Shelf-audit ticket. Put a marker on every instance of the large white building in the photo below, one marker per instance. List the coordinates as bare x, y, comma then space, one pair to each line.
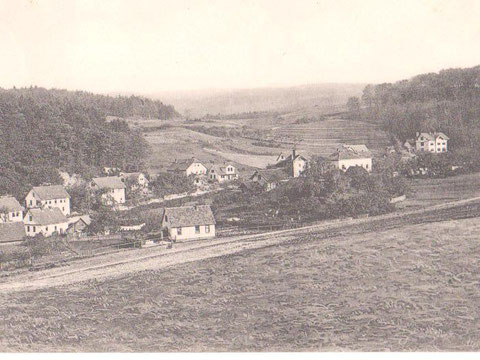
347, 156
189, 222
113, 187
48, 197
436, 142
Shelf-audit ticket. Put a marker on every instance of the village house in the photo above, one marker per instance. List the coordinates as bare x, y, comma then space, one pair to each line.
188, 222
78, 224
10, 210
137, 180
49, 197
347, 156
45, 222
113, 187
269, 179
188, 167
431, 142
222, 173
294, 163
11, 232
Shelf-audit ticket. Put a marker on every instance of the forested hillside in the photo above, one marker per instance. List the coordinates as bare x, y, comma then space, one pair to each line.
45, 130
448, 101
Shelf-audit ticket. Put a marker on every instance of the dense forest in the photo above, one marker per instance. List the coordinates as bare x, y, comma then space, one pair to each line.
44, 130
448, 101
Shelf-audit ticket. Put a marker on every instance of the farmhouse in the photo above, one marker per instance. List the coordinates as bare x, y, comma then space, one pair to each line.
45, 222
294, 164
137, 180
352, 155
49, 197
189, 222
269, 179
10, 210
188, 167
432, 142
114, 189
222, 173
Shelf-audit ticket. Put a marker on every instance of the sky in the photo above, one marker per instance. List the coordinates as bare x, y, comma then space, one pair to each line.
143, 46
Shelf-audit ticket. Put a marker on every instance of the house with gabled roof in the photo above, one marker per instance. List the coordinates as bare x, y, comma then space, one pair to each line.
436, 142
45, 221
295, 164
222, 173
269, 179
113, 189
347, 156
188, 167
49, 197
78, 224
10, 209
188, 222
137, 180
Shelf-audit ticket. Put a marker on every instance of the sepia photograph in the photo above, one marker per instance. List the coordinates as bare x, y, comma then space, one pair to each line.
257, 177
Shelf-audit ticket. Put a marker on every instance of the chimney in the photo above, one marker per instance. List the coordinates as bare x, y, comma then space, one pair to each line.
293, 153
417, 134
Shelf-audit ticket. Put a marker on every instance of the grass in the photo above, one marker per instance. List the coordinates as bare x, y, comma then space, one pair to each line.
408, 288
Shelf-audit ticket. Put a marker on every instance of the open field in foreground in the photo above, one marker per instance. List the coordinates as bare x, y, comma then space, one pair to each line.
381, 285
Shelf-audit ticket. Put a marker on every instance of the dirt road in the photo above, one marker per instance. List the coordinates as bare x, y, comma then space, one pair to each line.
131, 261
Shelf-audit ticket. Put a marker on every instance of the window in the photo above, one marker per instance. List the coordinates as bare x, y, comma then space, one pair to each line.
55, 201
179, 231
63, 209
28, 228
207, 228
46, 228
366, 166
55, 228
31, 202
166, 218
197, 229
34, 229
30, 217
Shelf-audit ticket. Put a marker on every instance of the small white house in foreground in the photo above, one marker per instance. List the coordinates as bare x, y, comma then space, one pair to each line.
45, 222
189, 222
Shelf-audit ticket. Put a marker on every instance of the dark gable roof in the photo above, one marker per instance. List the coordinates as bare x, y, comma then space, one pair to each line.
182, 165
350, 152
10, 203
14, 231
47, 216
271, 175
51, 192
109, 182
222, 169
189, 216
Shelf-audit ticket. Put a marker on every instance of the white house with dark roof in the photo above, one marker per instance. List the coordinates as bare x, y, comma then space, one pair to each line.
436, 142
10, 210
48, 197
347, 156
188, 167
113, 187
189, 222
269, 179
45, 222
222, 173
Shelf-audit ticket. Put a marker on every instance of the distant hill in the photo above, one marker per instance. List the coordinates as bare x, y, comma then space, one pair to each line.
43, 130
323, 97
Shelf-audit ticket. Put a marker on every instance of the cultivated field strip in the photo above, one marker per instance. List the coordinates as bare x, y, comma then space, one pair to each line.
114, 265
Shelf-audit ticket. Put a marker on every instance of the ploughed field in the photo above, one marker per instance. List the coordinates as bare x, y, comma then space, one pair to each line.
408, 283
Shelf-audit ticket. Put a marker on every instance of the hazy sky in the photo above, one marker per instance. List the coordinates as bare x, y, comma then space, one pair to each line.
147, 46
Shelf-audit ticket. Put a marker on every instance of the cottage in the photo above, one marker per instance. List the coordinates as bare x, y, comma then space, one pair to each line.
45, 222
189, 222
10, 210
431, 142
78, 224
114, 189
188, 167
11, 232
347, 156
294, 164
222, 173
269, 179
137, 180
49, 197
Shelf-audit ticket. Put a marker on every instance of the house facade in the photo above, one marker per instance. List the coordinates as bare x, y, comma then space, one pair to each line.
189, 222
10, 210
188, 167
113, 187
222, 173
49, 197
78, 224
137, 180
294, 163
436, 142
45, 222
348, 156
269, 179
